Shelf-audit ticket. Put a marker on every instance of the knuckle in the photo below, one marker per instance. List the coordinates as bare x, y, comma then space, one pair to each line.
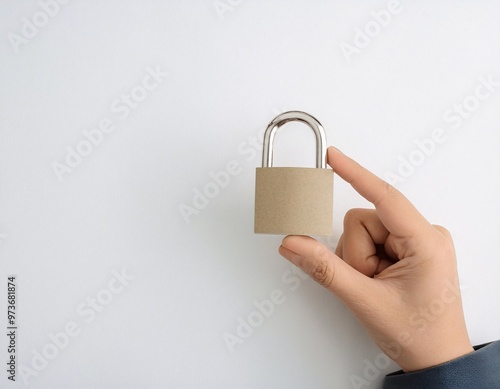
389, 189
322, 273
443, 231
445, 240
353, 216
388, 192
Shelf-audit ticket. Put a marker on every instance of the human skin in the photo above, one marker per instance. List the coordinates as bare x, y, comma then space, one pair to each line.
393, 269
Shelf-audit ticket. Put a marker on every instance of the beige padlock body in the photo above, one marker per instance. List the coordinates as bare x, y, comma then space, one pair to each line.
293, 201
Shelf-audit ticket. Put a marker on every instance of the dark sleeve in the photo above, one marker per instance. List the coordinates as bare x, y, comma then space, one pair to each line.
477, 370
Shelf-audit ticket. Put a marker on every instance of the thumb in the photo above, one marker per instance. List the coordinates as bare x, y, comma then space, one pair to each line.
327, 269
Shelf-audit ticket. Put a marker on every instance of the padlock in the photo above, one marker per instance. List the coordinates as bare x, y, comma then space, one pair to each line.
294, 200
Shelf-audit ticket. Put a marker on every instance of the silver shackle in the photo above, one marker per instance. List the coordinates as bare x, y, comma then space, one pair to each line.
290, 116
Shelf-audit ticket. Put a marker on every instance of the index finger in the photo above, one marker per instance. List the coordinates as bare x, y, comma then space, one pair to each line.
396, 212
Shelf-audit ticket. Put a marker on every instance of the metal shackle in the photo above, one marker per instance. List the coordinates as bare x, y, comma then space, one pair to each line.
290, 116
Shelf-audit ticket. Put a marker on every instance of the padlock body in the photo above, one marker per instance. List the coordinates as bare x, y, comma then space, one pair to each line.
293, 201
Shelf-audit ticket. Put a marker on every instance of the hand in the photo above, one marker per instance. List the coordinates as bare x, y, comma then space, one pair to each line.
394, 270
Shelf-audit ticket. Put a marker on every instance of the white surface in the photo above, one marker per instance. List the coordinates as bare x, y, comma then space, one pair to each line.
227, 78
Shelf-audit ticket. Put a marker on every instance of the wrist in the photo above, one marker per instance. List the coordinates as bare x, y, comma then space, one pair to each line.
432, 357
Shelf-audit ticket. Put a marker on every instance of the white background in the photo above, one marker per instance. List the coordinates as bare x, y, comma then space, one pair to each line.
228, 75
